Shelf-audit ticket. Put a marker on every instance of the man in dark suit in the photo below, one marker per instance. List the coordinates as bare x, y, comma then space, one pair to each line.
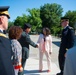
25, 41
67, 41
6, 67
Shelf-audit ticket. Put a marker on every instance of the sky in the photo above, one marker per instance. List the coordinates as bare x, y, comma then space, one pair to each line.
19, 7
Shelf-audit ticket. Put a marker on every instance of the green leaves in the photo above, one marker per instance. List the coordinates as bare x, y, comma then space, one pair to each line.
50, 15
72, 17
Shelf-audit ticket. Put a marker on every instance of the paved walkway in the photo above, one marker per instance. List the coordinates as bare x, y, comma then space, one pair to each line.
32, 68
32, 64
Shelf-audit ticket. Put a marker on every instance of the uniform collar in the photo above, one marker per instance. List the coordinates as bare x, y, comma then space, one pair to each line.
1, 30
66, 26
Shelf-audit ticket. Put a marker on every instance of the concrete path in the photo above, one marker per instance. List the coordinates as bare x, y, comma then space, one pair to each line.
32, 68
32, 64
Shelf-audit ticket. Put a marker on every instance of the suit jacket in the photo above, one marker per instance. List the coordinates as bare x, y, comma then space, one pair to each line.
70, 62
25, 41
48, 43
6, 67
67, 40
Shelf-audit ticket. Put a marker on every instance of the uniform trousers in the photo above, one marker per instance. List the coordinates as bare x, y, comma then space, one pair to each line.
61, 59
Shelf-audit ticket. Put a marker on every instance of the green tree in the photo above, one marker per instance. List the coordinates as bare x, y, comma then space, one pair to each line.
10, 24
20, 20
72, 18
50, 15
34, 19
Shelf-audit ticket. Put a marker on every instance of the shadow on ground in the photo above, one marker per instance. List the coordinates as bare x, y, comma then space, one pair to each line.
57, 43
32, 72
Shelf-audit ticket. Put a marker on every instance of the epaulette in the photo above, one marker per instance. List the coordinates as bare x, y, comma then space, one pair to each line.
1, 34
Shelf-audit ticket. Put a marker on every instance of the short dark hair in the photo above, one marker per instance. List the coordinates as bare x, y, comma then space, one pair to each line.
15, 32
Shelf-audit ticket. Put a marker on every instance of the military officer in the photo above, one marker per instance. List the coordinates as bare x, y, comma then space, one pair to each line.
6, 67
25, 41
67, 41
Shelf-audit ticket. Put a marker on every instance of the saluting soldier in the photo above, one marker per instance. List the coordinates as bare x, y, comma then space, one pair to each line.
67, 41
25, 41
6, 67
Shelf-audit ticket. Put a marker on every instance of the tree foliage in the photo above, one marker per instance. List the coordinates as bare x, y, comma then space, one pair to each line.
47, 16
21, 20
72, 18
10, 24
34, 19
50, 15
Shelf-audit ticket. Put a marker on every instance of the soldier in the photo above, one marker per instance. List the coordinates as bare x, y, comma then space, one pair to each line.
67, 41
6, 67
25, 41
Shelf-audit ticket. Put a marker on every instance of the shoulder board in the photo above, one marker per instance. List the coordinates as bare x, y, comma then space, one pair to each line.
1, 34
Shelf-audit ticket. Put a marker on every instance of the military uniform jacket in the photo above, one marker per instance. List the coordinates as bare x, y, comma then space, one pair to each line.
6, 67
25, 41
67, 40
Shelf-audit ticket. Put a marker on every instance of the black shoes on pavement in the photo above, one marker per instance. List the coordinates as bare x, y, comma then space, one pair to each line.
59, 73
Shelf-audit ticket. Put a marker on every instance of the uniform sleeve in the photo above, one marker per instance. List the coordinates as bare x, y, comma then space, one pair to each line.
28, 39
71, 38
50, 43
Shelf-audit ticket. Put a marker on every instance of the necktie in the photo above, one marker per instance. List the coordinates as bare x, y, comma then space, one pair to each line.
4, 31
44, 45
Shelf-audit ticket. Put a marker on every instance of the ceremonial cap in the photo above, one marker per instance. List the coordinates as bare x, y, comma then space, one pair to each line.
65, 18
26, 25
4, 11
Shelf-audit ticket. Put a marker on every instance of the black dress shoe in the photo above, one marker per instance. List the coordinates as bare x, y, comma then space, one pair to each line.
59, 73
